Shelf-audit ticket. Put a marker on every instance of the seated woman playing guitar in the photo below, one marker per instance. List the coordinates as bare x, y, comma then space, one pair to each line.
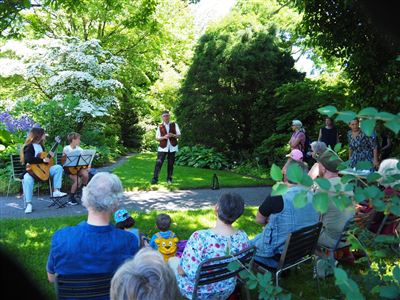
79, 175
30, 156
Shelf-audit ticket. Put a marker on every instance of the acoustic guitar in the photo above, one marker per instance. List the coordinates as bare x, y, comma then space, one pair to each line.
42, 171
71, 170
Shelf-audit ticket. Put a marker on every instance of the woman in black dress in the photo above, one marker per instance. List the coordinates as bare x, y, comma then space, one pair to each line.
329, 134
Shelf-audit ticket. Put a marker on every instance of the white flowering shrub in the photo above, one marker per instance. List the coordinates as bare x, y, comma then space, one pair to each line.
68, 67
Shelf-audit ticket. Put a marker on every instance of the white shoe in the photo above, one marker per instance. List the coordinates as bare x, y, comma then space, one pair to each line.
59, 194
28, 208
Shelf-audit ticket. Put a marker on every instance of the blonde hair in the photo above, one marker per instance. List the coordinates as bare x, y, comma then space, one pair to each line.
34, 137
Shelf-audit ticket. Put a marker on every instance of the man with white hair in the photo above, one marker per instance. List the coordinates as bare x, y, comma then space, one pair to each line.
93, 246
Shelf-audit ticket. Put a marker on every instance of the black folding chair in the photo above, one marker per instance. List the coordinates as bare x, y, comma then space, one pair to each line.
83, 286
216, 269
299, 248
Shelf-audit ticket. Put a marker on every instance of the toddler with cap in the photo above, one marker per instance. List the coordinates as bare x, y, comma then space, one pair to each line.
124, 221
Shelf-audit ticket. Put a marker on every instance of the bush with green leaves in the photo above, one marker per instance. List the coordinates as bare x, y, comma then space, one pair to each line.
381, 275
201, 157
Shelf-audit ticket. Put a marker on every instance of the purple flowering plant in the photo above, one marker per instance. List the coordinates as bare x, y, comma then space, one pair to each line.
14, 125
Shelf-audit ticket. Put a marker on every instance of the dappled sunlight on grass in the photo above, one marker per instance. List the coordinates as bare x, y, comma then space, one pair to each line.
137, 171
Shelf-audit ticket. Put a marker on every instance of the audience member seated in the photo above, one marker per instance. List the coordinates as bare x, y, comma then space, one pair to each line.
221, 240
317, 148
367, 215
281, 217
93, 246
334, 219
145, 277
124, 221
165, 241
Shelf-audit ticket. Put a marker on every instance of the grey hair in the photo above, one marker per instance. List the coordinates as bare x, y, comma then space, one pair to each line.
318, 148
145, 277
103, 192
387, 168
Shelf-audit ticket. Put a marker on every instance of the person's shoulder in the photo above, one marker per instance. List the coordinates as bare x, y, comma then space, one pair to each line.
242, 234
68, 231
198, 234
123, 235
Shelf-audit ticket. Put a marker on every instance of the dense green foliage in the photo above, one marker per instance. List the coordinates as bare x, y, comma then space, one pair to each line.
201, 157
363, 36
236, 67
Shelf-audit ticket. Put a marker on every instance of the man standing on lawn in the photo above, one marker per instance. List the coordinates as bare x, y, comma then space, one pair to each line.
167, 135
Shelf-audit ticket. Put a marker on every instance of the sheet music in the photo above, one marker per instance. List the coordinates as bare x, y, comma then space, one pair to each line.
79, 158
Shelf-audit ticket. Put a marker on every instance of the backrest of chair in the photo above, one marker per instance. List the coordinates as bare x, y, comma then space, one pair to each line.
17, 167
83, 286
216, 269
58, 158
300, 244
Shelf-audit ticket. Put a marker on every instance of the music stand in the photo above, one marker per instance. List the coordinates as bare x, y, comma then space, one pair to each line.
79, 158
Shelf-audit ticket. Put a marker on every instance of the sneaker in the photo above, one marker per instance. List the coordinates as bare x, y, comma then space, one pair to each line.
59, 194
72, 202
28, 208
169, 181
154, 181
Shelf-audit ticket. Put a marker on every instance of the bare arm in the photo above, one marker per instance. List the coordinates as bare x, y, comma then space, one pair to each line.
51, 277
319, 135
388, 144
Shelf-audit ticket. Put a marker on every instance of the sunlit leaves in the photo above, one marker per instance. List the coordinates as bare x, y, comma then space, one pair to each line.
348, 286
294, 173
327, 110
346, 116
276, 173
279, 189
300, 199
321, 202
368, 126
323, 183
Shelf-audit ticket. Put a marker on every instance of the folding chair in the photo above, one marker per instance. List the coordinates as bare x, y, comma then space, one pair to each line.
299, 248
17, 170
215, 269
342, 239
325, 267
83, 286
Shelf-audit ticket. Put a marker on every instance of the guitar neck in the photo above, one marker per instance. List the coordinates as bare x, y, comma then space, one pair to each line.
52, 149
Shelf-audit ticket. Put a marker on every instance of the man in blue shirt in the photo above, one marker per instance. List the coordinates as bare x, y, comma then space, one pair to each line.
93, 246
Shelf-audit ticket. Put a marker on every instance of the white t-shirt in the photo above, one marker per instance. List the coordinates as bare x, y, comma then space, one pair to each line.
38, 149
68, 149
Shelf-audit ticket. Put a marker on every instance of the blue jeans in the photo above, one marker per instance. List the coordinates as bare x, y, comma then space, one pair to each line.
28, 181
271, 262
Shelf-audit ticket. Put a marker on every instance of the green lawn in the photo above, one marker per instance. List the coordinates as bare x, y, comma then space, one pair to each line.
29, 241
137, 172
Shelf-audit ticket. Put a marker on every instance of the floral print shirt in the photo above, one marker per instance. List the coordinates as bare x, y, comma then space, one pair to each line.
362, 147
202, 245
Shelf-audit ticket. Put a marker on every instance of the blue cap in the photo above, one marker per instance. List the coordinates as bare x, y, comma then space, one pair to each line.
121, 215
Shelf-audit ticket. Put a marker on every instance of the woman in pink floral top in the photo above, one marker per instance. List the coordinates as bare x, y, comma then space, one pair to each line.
221, 240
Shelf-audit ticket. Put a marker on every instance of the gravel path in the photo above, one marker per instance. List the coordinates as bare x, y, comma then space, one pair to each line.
12, 207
